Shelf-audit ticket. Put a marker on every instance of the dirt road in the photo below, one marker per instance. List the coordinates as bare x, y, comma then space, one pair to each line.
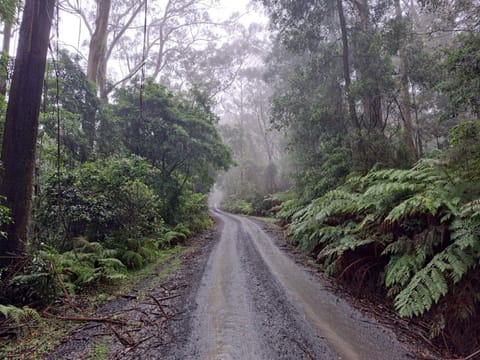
237, 296
255, 302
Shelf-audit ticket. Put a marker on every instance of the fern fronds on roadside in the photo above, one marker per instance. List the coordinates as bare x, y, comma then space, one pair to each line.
427, 240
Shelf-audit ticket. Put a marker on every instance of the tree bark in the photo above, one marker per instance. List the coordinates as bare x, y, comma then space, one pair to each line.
21, 125
96, 68
346, 67
371, 99
405, 110
357, 145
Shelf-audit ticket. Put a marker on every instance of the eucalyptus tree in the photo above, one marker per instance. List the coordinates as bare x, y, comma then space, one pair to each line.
21, 126
155, 36
106, 21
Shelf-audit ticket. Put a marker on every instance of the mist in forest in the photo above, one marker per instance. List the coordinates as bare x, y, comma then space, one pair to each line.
354, 125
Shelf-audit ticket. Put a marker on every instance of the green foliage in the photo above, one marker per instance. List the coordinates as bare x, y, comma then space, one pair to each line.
8, 9
87, 265
4, 217
463, 79
174, 133
171, 238
413, 219
177, 136
238, 207
109, 219
102, 199
289, 205
74, 100
464, 152
17, 315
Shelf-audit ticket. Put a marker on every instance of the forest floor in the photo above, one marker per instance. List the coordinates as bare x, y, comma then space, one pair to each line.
240, 292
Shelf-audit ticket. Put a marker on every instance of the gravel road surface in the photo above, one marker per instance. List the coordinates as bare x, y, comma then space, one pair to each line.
255, 302
238, 296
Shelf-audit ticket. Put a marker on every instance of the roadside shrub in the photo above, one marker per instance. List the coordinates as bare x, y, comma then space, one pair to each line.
99, 200
238, 206
412, 235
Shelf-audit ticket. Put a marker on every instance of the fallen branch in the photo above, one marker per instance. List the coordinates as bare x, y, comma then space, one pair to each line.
64, 289
159, 306
471, 356
138, 344
169, 297
134, 297
124, 341
87, 319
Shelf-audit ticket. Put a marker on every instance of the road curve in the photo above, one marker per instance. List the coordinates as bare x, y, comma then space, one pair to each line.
255, 302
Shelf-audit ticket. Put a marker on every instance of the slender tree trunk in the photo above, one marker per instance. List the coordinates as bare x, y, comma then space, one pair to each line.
7, 35
21, 125
346, 67
357, 145
371, 99
96, 68
406, 113
271, 168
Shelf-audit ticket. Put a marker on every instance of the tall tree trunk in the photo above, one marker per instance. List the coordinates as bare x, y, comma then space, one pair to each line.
7, 35
406, 113
21, 125
271, 168
96, 68
371, 99
357, 144
346, 67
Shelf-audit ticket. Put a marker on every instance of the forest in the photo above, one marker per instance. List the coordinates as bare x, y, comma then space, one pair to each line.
353, 124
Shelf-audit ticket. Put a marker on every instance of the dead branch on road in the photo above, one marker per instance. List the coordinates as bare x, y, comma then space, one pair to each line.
87, 319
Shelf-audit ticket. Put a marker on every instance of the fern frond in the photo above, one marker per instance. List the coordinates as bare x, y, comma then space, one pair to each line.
174, 236
400, 269
429, 284
17, 315
400, 246
471, 209
112, 263
346, 243
465, 232
427, 202
132, 259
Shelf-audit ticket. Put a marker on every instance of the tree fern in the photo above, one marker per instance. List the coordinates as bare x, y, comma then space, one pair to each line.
346, 243
401, 268
429, 240
17, 314
471, 209
431, 283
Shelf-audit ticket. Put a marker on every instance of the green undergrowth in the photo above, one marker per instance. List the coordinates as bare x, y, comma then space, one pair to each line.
34, 335
99, 351
270, 220
410, 237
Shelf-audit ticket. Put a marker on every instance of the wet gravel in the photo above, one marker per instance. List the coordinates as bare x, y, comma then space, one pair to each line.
238, 296
281, 327
149, 333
